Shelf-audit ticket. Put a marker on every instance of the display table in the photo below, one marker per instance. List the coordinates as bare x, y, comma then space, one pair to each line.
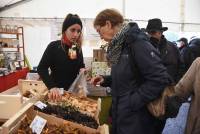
11, 79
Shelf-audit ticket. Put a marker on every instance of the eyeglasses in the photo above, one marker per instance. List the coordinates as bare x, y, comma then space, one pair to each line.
98, 29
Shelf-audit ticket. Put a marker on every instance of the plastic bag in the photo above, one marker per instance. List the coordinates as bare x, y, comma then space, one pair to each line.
79, 86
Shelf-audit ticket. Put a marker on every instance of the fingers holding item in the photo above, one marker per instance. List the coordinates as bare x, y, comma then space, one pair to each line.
54, 94
97, 80
83, 70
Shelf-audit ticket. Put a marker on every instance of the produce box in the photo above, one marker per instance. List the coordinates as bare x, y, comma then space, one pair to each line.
9, 104
100, 68
99, 55
86, 105
32, 88
105, 108
53, 124
82, 104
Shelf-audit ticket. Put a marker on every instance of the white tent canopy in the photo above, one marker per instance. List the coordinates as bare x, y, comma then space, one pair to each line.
42, 19
171, 11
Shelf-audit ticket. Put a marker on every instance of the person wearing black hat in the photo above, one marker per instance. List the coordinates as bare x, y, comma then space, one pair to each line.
169, 53
182, 43
64, 58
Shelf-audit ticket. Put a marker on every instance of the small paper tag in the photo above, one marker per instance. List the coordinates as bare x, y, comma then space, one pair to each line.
61, 91
38, 124
40, 105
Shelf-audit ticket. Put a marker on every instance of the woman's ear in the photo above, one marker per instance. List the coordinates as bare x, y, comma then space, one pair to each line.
108, 24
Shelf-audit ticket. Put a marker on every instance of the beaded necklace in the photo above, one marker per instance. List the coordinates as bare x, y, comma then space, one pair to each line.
72, 54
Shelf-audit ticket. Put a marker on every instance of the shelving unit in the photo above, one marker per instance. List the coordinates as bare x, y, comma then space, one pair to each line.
12, 56
12, 44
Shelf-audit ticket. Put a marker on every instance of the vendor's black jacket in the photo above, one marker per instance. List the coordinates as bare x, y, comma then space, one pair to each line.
129, 96
170, 56
63, 70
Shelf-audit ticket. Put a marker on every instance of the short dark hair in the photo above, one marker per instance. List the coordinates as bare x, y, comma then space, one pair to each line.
111, 15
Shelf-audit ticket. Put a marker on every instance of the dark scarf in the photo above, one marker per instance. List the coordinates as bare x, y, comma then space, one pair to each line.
161, 45
116, 44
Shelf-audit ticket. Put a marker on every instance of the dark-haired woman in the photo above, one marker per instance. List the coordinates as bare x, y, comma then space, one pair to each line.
63, 59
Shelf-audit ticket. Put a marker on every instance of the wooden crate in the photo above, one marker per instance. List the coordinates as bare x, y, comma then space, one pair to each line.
13, 123
38, 89
99, 55
79, 101
32, 88
9, 104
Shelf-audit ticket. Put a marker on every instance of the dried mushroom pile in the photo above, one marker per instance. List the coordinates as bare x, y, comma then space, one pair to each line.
84, 104
70, 113
48, 129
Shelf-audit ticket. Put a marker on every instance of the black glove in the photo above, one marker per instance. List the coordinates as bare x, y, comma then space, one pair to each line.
173, 104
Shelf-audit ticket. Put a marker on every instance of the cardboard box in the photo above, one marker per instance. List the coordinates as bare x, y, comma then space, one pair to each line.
9, 104
13, 123
99, 55
100, 68
30, 88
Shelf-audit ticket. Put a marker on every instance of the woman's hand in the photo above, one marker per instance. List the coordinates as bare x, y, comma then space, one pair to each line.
84, 70
54, 94
97, 80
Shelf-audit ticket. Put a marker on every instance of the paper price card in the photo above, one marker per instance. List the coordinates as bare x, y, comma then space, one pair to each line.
40, 105
61, 91
38, 124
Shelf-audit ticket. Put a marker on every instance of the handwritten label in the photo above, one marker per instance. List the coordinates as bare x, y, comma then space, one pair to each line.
61, 91
38, 124
40, 105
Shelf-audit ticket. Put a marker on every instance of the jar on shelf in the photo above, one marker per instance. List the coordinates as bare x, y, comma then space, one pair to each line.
8, 28
1, 28
15, 29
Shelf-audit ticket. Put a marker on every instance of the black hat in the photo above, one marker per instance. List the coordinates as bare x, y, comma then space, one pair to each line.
71, 20
183, 40
155, 25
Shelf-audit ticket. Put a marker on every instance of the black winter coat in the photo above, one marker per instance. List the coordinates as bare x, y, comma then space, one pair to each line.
129, 98
170, 56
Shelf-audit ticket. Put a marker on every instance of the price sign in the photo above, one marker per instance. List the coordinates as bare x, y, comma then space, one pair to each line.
40, 105
38, 124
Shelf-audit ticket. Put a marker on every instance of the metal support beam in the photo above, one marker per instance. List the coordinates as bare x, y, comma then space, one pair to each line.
13, 5
124, 8
182, 14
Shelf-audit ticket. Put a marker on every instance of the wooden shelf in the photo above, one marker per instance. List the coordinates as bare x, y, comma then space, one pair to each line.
10, 33
13, 37
5, 49
10, 47
7, 38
